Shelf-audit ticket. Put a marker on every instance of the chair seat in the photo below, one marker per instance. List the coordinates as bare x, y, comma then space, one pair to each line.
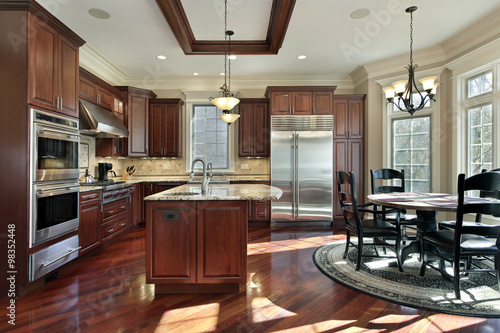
473, 228
470, 242
406, 219
372, 227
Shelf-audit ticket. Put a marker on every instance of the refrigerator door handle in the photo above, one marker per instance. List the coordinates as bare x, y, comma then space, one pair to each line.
296, 180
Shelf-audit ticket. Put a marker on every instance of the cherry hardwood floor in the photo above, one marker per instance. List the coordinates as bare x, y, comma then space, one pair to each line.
285, 293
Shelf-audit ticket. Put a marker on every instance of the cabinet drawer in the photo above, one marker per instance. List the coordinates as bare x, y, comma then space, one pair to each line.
114, 208
114, 224
90, 197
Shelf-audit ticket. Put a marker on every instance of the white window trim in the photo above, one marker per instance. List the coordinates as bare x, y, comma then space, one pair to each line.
197, 97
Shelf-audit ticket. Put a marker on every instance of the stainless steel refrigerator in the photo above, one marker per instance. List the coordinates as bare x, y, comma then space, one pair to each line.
302, 167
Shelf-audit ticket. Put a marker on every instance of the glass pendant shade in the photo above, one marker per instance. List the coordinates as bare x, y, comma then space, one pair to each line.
229, 117
225, 103
399, 86
389, 92
428, 82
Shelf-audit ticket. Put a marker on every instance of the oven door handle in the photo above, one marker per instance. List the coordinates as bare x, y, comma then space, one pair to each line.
57, 188
45, 264
68, 134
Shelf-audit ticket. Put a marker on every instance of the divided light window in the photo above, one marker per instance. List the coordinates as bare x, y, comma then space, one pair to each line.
411, 139
210, 137
480, 84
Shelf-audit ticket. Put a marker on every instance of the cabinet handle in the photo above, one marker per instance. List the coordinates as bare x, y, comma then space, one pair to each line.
123, 224
57, 103
61, 105
151, 187
93, 197
123, 207
111, 211
110, 230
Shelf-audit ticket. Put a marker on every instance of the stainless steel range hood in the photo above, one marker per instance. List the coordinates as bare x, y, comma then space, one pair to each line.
99, 122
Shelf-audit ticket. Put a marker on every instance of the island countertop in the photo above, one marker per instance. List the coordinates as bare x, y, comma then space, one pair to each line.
192, 192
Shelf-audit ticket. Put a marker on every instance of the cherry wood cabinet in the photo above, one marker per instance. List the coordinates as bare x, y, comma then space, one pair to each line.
94, 93
148, 188
349, 113
165, 127
253, 128
89, 231
52, 68
137, 119
114, 219
300, 100
196, 244
135, 209
111, 147
348, 143
258, 210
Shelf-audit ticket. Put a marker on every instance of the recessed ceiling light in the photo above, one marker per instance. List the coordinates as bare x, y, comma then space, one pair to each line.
360, 13
161, 57
232, 57
195, 74
301, 57
99, 13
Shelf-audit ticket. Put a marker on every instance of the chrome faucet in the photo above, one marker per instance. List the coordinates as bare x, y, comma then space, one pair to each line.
204, 184
209, 169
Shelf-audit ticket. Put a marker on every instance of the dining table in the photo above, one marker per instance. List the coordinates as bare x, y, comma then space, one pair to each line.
426, 205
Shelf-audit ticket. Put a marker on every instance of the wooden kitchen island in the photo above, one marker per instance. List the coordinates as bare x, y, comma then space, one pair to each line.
198, 242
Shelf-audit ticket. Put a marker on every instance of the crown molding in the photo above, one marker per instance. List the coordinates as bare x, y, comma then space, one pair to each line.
480, 57
480, 32
100, 66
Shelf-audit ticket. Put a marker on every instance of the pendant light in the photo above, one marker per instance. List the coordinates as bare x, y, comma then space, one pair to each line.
406, 89
227, 102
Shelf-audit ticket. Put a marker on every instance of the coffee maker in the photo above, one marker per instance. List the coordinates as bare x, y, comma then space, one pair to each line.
103, 169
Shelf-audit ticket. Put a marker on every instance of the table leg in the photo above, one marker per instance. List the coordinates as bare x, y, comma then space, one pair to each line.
426, 221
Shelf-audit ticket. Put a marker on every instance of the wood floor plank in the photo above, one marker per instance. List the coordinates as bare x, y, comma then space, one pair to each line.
285, 293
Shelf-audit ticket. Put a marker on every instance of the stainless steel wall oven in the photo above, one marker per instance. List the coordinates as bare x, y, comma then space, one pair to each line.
55, 147
55, 143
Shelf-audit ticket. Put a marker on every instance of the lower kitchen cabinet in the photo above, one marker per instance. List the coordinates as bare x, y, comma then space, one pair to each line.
152, 188
89, 232
196, 243
258, 210
135, 204
114, 218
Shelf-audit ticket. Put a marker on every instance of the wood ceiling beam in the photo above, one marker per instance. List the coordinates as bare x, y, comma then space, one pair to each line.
281, 13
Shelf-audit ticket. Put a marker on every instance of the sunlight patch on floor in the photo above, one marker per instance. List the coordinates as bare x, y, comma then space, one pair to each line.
180, 320
263, 310
393, 319
324, 326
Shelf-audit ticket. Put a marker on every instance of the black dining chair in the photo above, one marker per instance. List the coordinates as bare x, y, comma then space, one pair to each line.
456, 245
476, 227
375, 228
388, 181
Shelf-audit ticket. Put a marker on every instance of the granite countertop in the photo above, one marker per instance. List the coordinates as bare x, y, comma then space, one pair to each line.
218, 192
179, 178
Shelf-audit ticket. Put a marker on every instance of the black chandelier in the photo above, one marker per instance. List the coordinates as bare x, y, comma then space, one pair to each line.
407, 89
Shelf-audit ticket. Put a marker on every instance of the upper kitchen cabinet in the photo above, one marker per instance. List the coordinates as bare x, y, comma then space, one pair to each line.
349, 116
137, 116
253, 125
52, 65
300, 100
165, 127
92, 90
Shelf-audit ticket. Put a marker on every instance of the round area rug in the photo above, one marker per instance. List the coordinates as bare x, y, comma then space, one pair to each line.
480, 296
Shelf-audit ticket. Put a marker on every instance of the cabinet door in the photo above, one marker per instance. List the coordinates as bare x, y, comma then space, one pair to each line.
88, 90
146, 189
90, 226
280, 102
172, 122
322, 103
171, 245
138, 125
222, 241
356, 119
246, 130
156, 131
105, 99
42, 65
341, 162
301, 103
340, 118
261, 131
68, 77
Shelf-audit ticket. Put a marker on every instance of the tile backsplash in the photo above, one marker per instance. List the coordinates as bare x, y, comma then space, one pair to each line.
164, 166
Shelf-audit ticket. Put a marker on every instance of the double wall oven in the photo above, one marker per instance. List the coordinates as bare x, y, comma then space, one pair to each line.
54, 190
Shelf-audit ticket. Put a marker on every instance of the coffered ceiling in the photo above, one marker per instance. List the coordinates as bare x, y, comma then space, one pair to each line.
269, 34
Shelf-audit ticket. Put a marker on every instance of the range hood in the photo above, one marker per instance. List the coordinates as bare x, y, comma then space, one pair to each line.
99, 122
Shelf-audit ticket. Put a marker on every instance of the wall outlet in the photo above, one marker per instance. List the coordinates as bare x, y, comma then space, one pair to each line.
244, 167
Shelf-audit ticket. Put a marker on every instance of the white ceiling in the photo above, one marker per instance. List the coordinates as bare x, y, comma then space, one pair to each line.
334, 43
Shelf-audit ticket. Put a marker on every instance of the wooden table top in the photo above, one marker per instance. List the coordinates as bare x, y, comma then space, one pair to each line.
419, 201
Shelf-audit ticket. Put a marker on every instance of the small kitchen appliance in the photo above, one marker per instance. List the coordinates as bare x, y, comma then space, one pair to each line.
103, 169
